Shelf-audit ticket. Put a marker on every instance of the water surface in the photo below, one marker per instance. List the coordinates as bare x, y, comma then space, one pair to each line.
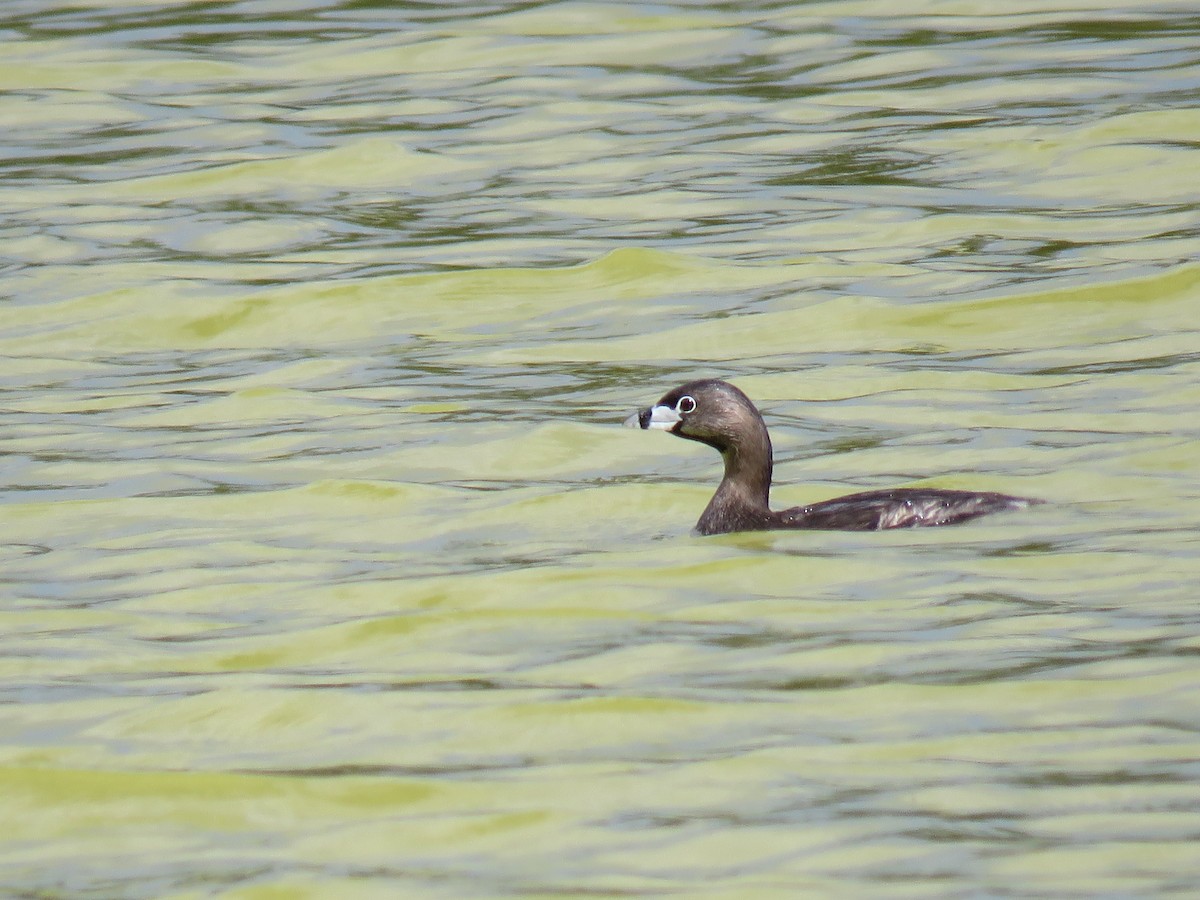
327, 570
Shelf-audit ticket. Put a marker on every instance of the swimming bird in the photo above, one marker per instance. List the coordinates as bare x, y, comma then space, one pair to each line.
718, 414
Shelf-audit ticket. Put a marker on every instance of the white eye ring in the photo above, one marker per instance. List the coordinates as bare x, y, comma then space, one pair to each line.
686, 404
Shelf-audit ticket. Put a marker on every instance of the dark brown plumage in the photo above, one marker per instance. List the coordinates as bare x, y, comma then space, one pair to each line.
718, 414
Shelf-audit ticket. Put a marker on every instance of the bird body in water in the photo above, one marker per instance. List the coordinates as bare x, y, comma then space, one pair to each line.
718, 414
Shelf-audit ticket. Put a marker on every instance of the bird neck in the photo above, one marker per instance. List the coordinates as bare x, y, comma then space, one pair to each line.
748, 467
741, 501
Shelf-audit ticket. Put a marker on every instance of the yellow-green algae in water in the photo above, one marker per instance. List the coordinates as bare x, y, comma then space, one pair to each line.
329, 572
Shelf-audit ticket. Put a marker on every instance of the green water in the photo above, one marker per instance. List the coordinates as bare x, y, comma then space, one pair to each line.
328, 570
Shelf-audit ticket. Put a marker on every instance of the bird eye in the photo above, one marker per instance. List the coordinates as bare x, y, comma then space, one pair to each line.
685, 405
